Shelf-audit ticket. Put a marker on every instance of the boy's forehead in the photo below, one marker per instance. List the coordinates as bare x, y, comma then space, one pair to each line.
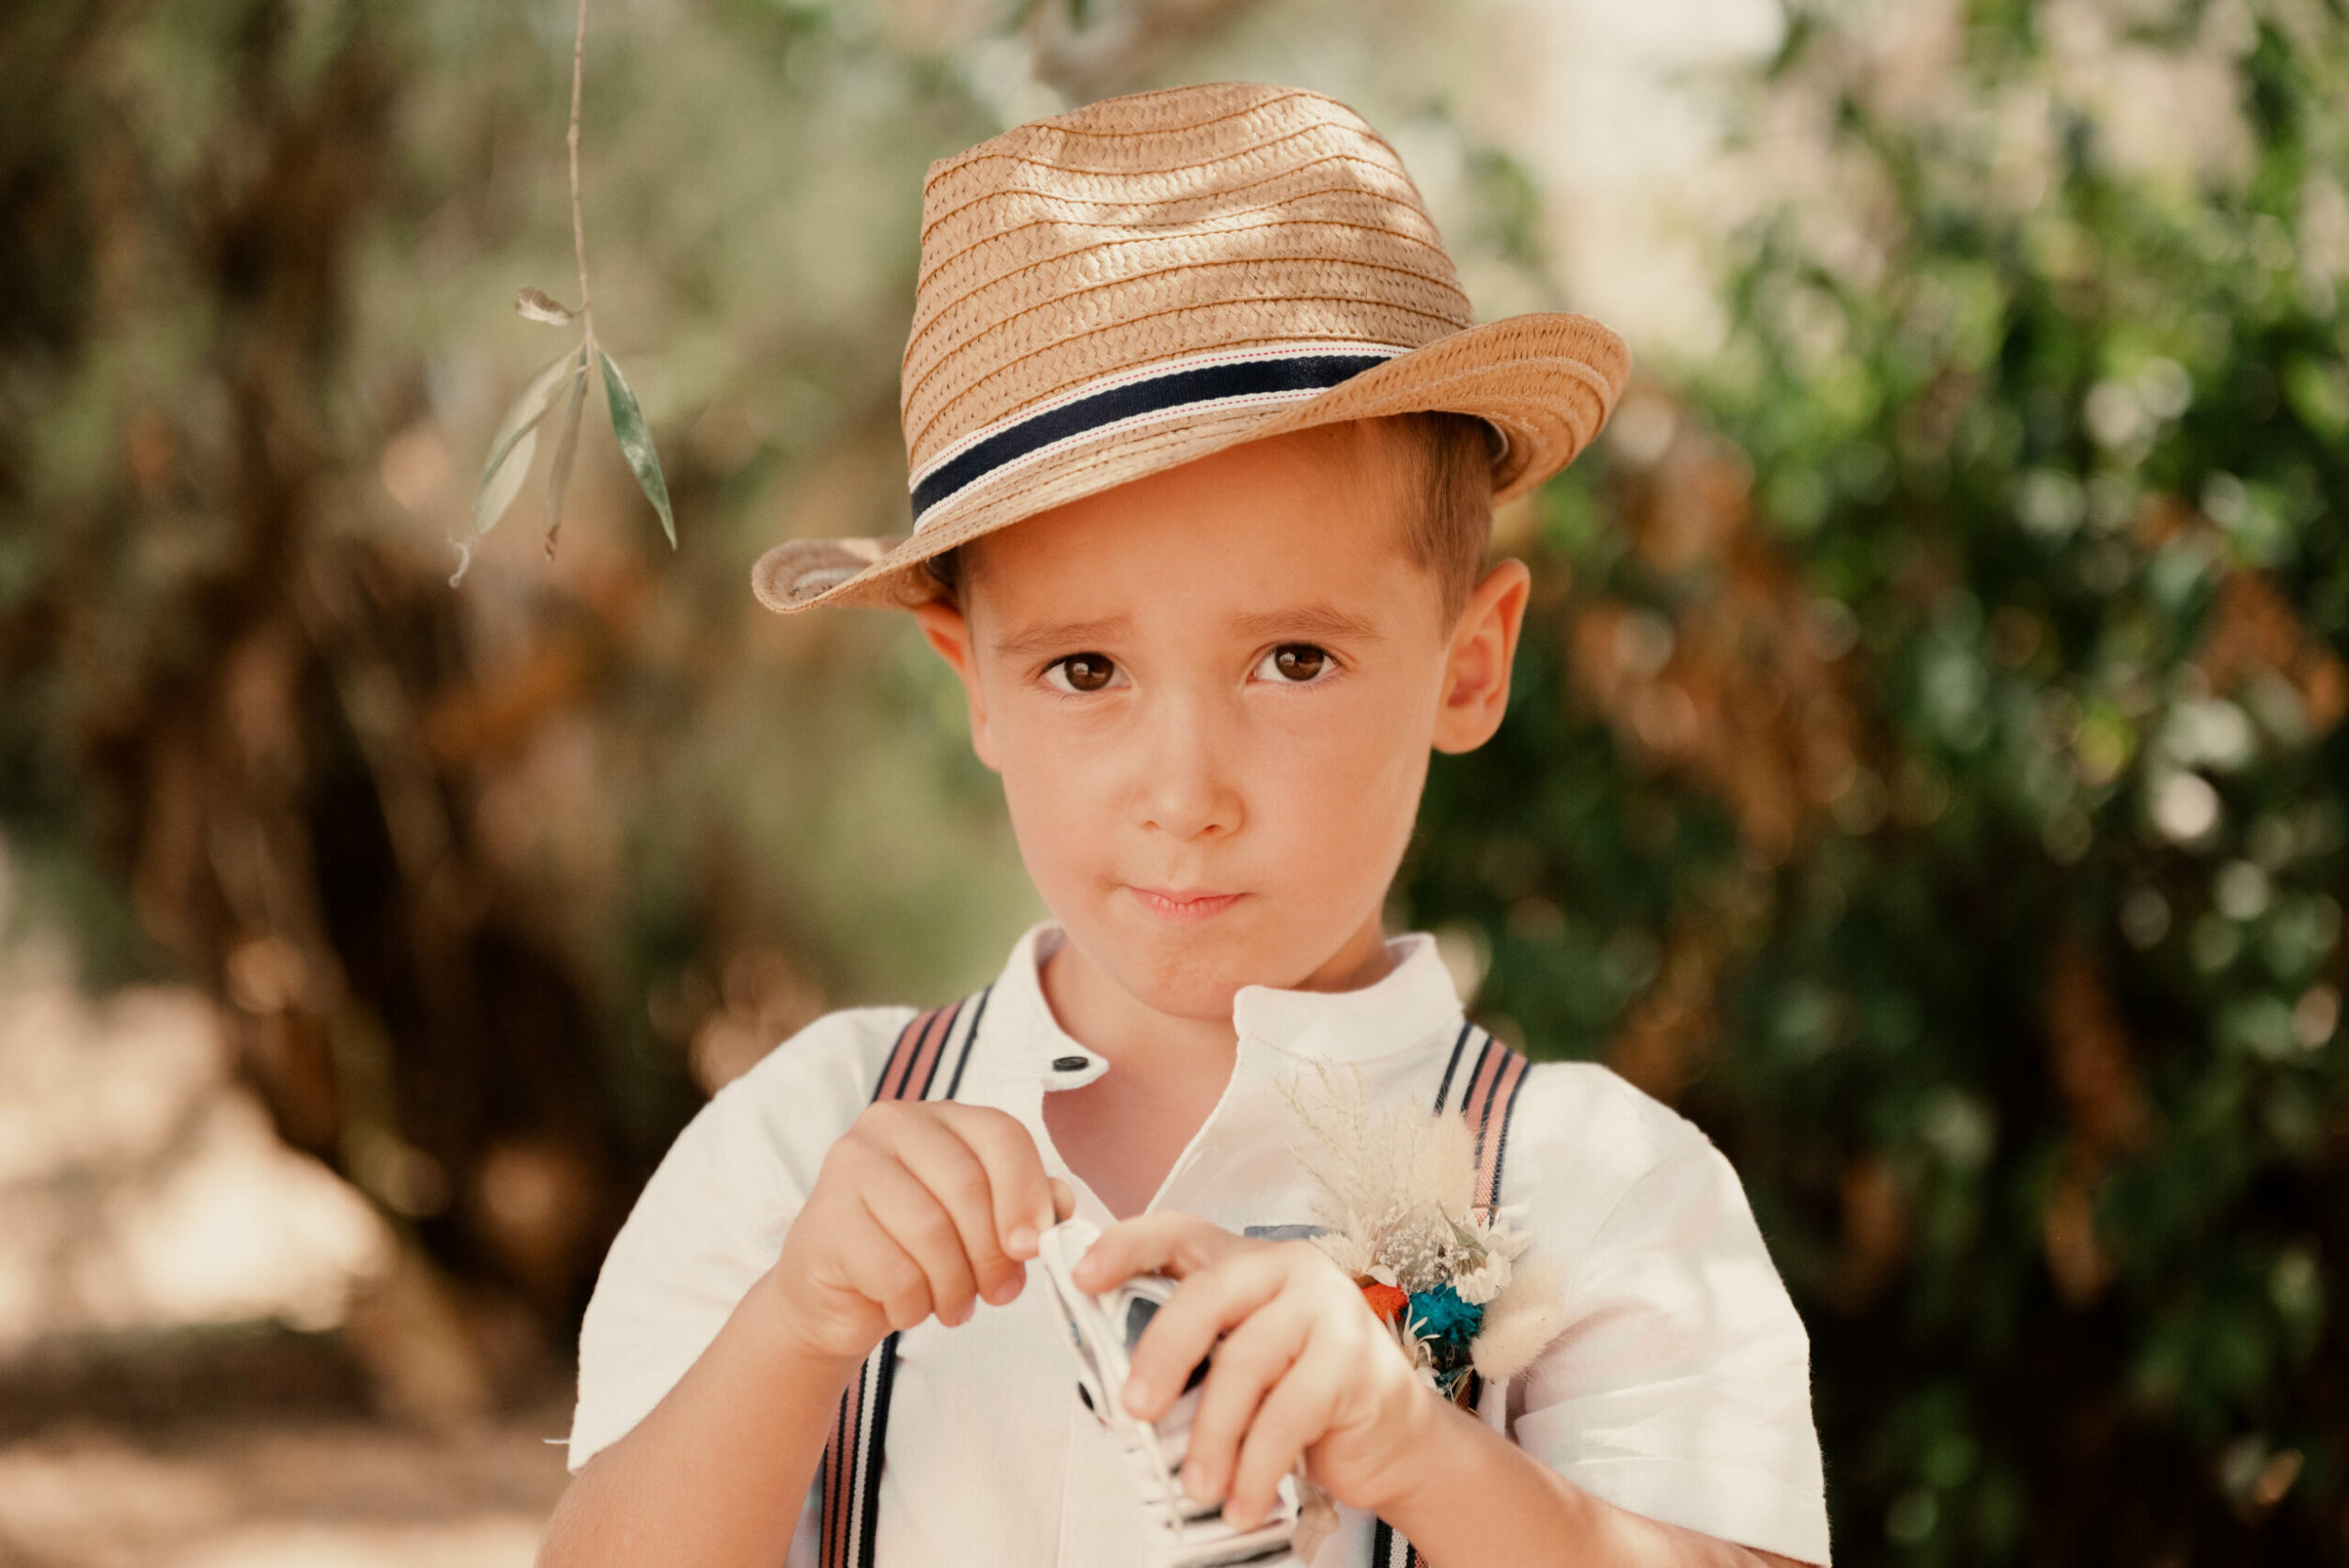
1299, 521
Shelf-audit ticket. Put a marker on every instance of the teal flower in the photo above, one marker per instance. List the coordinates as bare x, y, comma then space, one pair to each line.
1441, 1315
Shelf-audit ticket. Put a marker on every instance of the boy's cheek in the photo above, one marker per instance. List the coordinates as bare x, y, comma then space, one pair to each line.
1063, 826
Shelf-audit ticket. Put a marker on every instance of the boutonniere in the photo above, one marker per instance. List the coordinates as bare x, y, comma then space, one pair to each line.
1451, 1278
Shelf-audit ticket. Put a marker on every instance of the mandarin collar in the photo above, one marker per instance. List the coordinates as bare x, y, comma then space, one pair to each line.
1401, 1009
1413, 1001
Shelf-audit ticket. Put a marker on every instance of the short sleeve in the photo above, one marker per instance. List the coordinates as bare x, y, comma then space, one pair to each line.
1680, 1389
713, 1218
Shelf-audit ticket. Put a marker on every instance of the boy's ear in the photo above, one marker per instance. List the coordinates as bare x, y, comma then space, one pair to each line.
1484, 647
947, 630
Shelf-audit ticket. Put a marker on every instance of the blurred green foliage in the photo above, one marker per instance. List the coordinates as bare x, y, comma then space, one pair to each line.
1929, 770
501, 878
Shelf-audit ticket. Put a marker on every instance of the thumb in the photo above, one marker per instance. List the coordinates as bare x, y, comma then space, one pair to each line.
1166, 1242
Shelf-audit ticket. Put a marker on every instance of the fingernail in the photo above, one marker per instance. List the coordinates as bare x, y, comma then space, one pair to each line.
1138, 1395
1021, 1242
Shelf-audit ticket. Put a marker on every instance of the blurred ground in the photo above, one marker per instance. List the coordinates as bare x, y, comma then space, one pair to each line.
267, 1491
202, 1333
139, 1187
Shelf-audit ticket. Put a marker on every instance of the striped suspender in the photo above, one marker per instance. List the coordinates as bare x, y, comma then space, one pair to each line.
853, 1455
1488, 1097
1487, 1100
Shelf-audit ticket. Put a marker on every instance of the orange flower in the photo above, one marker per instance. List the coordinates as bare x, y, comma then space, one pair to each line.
1385, 1300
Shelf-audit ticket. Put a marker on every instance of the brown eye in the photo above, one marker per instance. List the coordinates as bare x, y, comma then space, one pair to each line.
1083, 672
1299, 662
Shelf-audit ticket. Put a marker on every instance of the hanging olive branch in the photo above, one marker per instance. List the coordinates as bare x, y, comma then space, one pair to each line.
516, 439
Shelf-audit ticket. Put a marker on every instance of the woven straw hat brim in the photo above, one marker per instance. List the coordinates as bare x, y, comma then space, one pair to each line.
1547, 380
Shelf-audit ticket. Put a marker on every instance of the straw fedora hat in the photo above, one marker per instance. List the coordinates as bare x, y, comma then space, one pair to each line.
1146, 280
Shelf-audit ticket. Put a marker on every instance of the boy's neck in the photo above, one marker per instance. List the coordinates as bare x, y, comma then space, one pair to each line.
1122, 1133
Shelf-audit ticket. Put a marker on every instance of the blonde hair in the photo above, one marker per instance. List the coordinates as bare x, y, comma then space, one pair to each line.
1445, 460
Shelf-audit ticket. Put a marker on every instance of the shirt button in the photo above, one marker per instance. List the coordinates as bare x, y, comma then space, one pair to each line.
1070, 1063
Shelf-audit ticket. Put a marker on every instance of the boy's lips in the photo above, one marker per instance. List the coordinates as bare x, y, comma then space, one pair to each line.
1190, 903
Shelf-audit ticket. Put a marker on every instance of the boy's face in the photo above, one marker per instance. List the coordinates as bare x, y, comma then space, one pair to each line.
1211, 694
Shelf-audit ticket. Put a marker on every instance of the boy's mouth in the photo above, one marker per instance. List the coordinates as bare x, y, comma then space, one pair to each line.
1192, 905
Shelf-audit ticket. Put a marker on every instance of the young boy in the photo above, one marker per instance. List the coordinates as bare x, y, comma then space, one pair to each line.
1205, 349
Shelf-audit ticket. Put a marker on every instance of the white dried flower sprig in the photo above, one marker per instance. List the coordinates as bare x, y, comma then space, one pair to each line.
1397, 1196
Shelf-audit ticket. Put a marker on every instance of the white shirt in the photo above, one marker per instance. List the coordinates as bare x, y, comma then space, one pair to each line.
1679, 1389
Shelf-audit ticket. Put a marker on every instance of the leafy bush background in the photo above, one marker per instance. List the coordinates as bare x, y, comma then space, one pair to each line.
1932, 777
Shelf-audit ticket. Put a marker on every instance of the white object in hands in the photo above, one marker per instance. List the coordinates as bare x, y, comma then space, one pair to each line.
1104, 1331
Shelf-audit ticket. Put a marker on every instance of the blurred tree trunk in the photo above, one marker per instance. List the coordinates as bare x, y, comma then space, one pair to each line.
229, 683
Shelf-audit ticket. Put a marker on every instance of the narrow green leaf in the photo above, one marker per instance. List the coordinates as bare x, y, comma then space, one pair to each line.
565, 449
509, 450
627, 423
507, 484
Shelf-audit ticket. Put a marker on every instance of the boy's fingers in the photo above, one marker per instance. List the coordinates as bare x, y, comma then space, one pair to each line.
1249, 1360
879, 1271
1187, 1327
945, 1162
1064, 1199
1021, 1193
1167, 1242
1293, 1417
914, 1218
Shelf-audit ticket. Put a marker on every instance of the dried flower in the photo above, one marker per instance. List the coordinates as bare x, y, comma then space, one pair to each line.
1479, 1284
1349, 1254
1397, 1190
1441, 1315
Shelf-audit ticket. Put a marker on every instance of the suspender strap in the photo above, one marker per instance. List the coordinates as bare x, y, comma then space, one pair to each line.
853, 1454
1494, 1074
1390, 1550
1489, 1102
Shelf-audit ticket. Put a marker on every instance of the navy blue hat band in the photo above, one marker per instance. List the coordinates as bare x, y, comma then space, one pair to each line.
1277, 378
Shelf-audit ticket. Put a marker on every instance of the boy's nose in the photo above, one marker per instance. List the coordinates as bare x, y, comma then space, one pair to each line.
1187, 789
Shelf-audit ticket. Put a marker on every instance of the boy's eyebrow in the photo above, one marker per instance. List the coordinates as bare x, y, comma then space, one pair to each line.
1063, 637
1305, 622
1302, 623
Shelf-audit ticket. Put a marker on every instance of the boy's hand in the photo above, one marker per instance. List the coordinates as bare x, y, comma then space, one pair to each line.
920, 1208
1301, 1366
